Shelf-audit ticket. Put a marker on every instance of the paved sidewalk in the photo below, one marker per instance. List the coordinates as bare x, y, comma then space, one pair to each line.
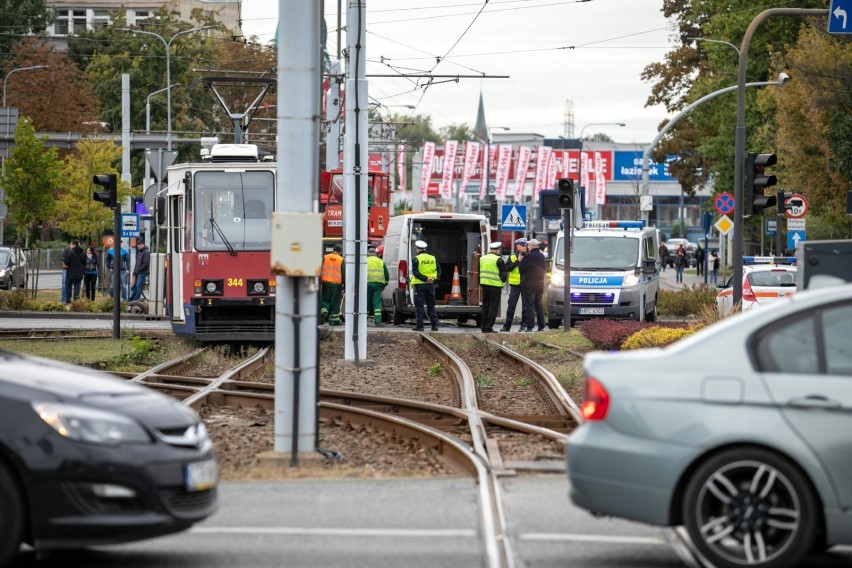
668, 277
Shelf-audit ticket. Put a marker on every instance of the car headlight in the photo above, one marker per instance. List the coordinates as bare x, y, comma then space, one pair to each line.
90, 424
630, 280
2, 272
557, 277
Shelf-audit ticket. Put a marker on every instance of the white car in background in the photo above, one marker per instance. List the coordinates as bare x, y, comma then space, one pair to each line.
766, 279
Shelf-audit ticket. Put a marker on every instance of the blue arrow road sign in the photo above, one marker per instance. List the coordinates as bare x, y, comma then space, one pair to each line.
514, 217
794, 238
838, 17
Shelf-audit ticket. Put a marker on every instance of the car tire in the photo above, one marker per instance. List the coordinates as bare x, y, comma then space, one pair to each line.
652, 315
398, 316
554, 323
12, 516
733, 497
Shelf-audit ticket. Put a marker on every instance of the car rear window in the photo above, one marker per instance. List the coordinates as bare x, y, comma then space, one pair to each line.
772, 278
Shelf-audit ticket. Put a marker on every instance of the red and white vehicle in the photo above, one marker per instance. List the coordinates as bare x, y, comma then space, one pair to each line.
218, 281
331, 204
766, 279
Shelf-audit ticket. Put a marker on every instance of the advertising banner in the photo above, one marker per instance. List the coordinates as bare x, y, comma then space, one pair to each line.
450, 150
400, 168
428, 158
524, 156
471, 157
504, 162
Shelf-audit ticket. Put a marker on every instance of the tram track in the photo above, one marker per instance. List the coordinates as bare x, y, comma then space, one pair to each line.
465, 437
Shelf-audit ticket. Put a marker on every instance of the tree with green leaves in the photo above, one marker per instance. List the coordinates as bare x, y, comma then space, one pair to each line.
812, 133
703, 142
21, 18
30, 180
77, 213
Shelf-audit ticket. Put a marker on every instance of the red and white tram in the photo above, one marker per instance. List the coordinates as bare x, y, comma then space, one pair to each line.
218, 282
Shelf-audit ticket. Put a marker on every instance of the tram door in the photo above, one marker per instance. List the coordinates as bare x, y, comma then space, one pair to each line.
179, 234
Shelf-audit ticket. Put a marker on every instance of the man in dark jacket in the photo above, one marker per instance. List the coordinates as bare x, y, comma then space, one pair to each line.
74, 262
141, 270
533, 268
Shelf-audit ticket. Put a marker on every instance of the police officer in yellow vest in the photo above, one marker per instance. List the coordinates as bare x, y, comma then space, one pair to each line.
492, 276
331, 279
425, 271
515, 285
377, 279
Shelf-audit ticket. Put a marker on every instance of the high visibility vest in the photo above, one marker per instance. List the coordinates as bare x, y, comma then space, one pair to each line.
515, 273
489, 274
331, 272
376, 270
427, 266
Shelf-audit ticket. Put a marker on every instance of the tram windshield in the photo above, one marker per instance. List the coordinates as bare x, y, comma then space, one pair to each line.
233, 210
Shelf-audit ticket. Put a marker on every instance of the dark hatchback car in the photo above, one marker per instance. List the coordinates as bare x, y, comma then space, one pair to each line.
88, 459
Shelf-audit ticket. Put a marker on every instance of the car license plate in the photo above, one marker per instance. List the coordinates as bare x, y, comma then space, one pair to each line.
200, 476
591, 311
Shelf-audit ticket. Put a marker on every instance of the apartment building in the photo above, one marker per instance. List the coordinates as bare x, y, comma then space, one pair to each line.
76, 16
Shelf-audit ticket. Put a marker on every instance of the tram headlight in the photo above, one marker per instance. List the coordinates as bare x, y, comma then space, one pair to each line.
211, 287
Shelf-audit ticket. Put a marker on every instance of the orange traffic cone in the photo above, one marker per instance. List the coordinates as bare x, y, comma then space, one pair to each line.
455, 292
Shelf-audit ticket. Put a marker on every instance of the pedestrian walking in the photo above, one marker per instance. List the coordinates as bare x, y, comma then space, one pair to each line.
664, 255
124, 271
699, 260
533, 268
492, 276
714, 258
65, 295
141, 270
331, 280
74, 261
680, 263
515, 290
90, 273
377, 279
425, 271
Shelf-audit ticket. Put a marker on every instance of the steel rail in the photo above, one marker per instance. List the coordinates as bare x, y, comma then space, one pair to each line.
563, 402
498, 547
165, 368
241, 370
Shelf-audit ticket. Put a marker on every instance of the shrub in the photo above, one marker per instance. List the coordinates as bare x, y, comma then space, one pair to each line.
105, 305
607, 334
655, 337
80, 305
15, 301
689, 301
48, 306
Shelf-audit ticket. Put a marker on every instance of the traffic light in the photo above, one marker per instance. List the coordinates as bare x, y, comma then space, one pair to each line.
109, 197
566, 193
754, 200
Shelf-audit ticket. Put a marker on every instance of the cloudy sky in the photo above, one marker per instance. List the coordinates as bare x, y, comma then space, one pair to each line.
585, 55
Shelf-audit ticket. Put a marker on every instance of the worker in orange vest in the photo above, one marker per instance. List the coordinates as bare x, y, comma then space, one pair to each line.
331, 279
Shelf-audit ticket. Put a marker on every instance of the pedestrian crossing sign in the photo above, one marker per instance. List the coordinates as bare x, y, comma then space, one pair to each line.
514, 217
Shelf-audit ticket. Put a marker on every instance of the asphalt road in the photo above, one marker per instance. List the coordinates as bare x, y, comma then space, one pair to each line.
400, 522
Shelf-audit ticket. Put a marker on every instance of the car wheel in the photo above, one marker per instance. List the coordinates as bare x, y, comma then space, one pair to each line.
398, 316
554, 323
652, 315
11, 516
750, 507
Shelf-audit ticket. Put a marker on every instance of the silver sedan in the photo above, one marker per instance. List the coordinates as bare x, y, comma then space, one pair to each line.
742, 433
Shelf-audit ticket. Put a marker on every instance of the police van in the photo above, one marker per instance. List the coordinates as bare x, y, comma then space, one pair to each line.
456, 240
615, 272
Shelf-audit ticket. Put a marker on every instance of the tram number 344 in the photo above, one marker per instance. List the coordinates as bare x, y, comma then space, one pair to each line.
235, 282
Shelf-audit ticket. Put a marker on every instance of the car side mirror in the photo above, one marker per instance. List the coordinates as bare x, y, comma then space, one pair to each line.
720, 285
649, 266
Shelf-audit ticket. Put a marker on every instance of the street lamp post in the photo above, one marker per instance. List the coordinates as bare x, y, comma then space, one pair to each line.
168, 46
3, 160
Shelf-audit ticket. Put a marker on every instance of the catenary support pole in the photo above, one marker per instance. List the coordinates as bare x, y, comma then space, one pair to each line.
355, 184
297, 183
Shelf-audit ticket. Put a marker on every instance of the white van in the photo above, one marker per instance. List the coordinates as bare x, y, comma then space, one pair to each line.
615, 272
455, 240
